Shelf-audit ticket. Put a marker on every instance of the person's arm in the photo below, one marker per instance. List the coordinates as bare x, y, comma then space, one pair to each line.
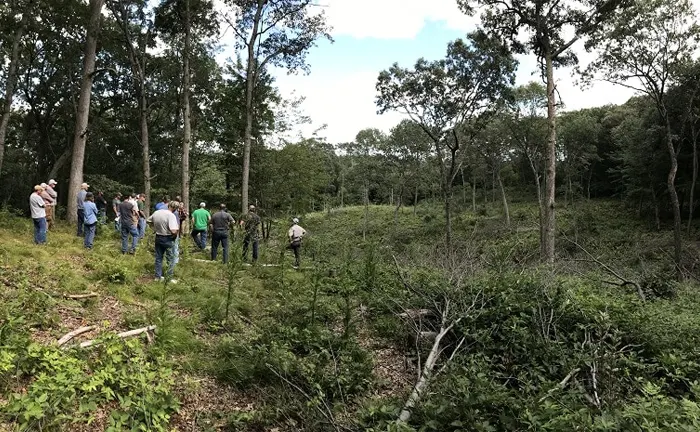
173, 225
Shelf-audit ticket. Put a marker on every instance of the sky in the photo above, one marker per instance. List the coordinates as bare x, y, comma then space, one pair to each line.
369, 36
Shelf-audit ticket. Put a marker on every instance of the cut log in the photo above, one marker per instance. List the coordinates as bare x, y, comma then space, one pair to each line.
416, 313
74, 333
80, 296
122, 335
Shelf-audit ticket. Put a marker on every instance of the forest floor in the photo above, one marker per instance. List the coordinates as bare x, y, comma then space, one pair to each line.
207, 370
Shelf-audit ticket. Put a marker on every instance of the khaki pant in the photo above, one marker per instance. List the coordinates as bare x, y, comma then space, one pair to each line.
49, 216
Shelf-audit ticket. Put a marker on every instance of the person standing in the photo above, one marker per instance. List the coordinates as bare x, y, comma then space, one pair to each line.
200, 222
127, 212
141, 206
116, 202
251, 225
50, 189
91, 214
48, 204
101, 204
166, 228
295, 234
220, 224
81, 209
36, 206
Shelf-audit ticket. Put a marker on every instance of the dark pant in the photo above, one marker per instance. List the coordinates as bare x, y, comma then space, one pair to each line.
163, 244
126, 231
81, 221
295, 246
200, 238
90, 235
39, 230
216, 238
246, 242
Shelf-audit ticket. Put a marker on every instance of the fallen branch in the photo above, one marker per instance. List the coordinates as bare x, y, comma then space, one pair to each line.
561, 384
121, 335
80, 296
607, 268
74, 333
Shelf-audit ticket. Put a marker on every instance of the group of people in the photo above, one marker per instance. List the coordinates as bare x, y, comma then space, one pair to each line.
166, 221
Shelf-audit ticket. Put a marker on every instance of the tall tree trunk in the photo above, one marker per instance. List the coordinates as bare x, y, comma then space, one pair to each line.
691, 204
671, 180
251, 77
448, 220
550, 182
145, 148
83, 112
11, 81
505, 200
186, 112
60, 162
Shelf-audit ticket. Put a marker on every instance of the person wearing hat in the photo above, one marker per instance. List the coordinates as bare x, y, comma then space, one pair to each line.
141, 207
91, 215
220, 225
38, 211
48, 205
101, 204
50, 189
200, 222
251, 225
129, 220
295, 234
81, 207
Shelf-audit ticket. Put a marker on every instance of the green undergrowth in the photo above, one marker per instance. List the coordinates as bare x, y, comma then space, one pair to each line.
546, 348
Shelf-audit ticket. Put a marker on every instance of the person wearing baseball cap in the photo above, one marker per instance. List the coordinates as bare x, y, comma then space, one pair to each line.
295, 234
251, 225
48, 204
37, 208
200, 222
80, 198
54, 197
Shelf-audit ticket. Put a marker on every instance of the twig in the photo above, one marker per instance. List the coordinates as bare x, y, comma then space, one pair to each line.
561, 384
80, 296
74, 333
122, 335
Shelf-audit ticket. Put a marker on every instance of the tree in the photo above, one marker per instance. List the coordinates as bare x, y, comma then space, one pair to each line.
11, 81
646, 48
83, 108
494, 144
277, 33
449, 98
546, 24
131, 19
579, 134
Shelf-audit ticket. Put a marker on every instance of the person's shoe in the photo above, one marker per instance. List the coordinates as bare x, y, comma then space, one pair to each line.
132, 252
173, 281
160, 279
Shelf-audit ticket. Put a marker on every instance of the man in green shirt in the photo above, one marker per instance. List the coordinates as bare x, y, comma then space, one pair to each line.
200, 222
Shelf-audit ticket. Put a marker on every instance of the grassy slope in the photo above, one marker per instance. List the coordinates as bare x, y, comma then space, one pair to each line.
191, 313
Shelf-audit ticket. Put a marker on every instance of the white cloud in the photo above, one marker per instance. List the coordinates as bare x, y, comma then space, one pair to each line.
393, 19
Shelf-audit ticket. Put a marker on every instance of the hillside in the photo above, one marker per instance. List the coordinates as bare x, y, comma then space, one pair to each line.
333, 346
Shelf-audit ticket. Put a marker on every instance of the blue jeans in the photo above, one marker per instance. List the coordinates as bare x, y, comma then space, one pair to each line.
142, 227
200, 238
126, 231
90, 235
81, 221
246, 241
39, 230
216, 238
163, 246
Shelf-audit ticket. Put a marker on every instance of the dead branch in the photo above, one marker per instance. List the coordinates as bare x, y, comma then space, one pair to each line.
80, 296
77, 332
609, 270
561, 384
122, 335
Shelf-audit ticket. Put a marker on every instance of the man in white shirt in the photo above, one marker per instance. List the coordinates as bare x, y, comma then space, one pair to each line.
37, 208
166, 226
295, 234
50, 189
48, 204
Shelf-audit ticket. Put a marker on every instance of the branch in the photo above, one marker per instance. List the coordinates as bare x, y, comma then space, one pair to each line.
80, 296
77, 332
561, 384
121, 335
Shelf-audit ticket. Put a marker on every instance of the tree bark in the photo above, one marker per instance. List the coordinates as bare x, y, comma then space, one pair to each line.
60, 162
671, 184
251, 76
11, 82
83, 112
145, 149
691, 204
186, 113
505, 200
549, 225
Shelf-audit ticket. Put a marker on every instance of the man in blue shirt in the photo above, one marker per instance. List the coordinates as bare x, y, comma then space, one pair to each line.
91, 214
81, 209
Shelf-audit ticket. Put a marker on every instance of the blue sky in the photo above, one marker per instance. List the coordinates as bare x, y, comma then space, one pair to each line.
370, 35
